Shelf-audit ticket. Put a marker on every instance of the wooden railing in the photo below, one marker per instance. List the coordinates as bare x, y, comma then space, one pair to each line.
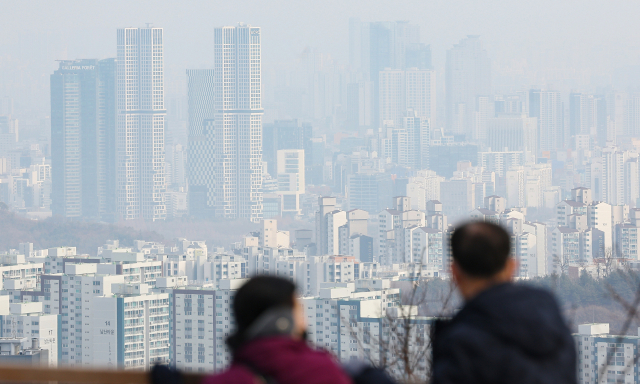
24, 374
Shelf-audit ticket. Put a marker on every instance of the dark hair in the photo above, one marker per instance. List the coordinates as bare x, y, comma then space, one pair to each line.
480, 249
255, 297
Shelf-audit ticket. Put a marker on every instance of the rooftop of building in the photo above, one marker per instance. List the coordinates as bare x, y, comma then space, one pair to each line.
567, 230
572, 203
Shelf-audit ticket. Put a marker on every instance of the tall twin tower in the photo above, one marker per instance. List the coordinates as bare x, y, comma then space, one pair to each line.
225, 128
108, 123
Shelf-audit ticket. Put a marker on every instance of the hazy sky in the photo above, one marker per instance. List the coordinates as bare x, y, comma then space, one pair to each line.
525, 39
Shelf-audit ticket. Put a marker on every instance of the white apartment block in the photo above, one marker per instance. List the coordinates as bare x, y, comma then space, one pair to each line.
129, 329
605, 358
71, 296
424, 187
565, 247
500, 161
28, 320
600, 216
402, 90
361, 325
515, 181
263, 260
57, 258
538, 263
549, 112
21, 270
309, 273
202, 321
415, 151
357, 224
569, 207
627, 241
387, 221
132, 265
334, 220
425, 246
140, 124
325, 206
619, 171
323, 316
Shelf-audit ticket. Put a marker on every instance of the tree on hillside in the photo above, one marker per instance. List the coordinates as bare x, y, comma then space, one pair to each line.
56, 231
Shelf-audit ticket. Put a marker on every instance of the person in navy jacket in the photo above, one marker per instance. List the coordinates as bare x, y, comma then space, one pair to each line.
505, 332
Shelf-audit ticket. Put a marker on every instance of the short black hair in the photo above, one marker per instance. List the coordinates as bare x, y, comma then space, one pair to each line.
480, 249
255, 297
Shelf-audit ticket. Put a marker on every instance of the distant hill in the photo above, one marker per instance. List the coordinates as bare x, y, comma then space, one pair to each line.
55, 232
216, 232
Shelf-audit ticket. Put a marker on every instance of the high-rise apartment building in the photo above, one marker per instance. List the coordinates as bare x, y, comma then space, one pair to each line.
467, 76
603, 357
203, 322
83, 137
201, 174
8, 135
238, 122
410, 142
513, 132
140, 182
619, 176
27, 320
130, 328
402, 90
376, 46
582, 114
547, 107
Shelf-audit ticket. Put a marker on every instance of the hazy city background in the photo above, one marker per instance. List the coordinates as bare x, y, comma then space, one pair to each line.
155, 151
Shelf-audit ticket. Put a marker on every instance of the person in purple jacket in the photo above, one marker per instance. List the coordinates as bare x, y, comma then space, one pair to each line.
269, 344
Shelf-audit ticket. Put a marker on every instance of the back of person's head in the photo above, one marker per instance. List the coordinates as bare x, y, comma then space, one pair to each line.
257, 296
480, 249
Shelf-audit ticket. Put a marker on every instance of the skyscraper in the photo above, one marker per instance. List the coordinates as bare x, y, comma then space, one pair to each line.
140, 183
83, 138
513, 132
418, 132
547, 107
402, 90
582, 114
467, 76
375, 46
201, 135
238, 122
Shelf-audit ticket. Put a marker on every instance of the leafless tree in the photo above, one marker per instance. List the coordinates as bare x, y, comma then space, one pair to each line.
561, 264
403, 344
605, 264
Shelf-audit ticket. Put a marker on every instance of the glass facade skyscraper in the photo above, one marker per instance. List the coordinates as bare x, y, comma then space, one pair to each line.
83, 138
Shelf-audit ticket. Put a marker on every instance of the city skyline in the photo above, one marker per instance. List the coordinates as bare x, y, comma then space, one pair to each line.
167, 173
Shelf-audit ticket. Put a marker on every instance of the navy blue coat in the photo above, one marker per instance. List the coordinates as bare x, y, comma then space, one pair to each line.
507, 334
